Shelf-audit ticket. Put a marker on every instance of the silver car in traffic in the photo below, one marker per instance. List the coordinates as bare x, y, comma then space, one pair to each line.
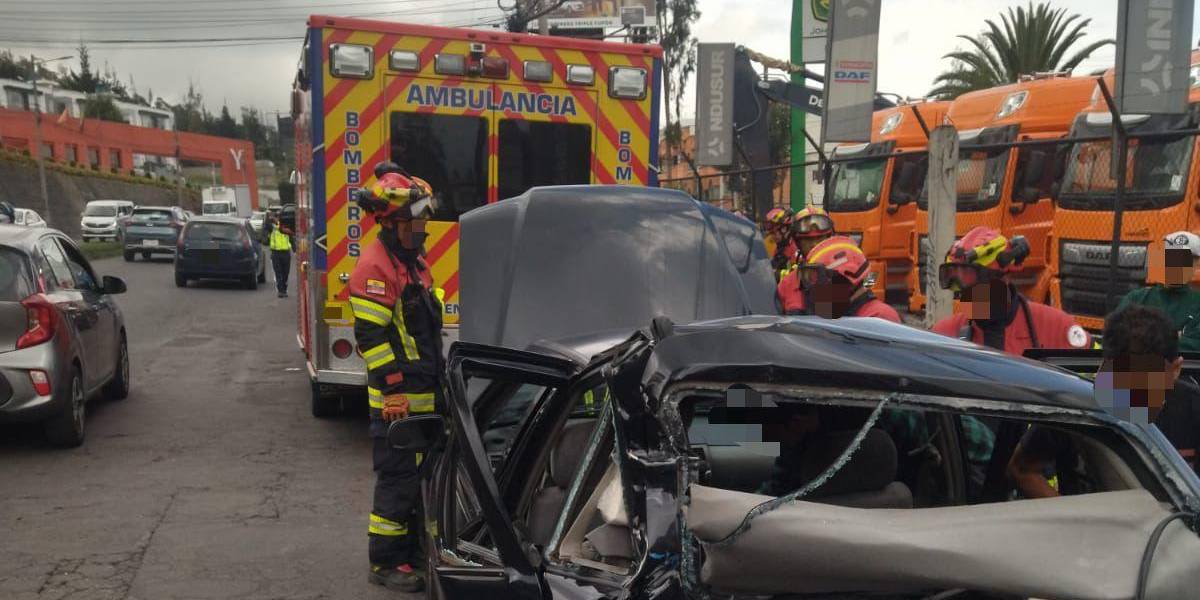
62, 337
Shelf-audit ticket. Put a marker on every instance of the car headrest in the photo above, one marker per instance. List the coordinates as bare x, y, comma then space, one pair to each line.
568, 452
872, 467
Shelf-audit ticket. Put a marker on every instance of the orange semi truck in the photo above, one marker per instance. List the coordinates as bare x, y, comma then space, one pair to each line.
480, 115
874, 187
1161, 196
1009, 188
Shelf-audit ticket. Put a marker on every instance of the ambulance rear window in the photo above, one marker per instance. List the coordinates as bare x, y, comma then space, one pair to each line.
536, 153
449, 152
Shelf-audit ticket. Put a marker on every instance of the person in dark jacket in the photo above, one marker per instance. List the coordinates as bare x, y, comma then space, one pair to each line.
1177, 296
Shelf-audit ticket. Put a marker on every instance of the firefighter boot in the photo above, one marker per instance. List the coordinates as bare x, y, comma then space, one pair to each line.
400, 579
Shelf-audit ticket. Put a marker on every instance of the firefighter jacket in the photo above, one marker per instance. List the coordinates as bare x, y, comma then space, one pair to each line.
398, 326
867, 305
1028, 325
789, 298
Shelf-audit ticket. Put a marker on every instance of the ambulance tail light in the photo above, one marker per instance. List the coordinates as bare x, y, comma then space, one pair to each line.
539, 70
403, 60
351, 60
581, 74
493, 67
450, 64
627, 83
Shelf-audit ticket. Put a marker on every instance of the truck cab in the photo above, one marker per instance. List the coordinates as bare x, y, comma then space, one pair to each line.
874, 187
1008, 152
1161, 197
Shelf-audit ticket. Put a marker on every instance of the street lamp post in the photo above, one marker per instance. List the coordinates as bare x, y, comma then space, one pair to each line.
37, 133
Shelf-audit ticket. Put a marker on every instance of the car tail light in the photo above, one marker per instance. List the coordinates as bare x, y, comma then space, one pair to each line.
343, 349
41, 382
246, 242
42, 321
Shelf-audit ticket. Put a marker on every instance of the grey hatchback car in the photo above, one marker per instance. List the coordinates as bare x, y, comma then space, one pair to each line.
62, 337
151, 230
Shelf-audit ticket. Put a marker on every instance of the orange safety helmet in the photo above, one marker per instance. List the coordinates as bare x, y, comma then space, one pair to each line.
812, 221
979, 256
397, 197
838, 255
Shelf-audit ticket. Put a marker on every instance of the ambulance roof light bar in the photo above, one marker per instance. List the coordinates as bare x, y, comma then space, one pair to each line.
538, 70
581, 74
351, 60
404, 60
450, 64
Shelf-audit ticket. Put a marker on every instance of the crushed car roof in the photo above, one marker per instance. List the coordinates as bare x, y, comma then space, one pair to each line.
564, 261
856, 354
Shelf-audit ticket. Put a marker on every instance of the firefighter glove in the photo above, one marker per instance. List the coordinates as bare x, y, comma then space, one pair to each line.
395, 407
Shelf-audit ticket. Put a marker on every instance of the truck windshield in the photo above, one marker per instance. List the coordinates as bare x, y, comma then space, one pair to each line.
449, 152
980, 177
857, 185
1157, 171
218, 208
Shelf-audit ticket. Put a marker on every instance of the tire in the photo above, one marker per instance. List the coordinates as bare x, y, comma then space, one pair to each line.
66, 429
129, 256
250, 282
180, 280
118, 387
146, 256
324, 407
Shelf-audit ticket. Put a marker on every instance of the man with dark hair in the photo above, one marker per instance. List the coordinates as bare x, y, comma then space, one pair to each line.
1176, 296
1139, 381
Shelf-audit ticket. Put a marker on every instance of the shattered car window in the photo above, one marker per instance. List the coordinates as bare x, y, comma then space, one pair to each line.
505, 422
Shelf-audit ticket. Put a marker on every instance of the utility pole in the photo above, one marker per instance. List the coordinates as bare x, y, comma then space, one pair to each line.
543, 20
37, 144
943, 210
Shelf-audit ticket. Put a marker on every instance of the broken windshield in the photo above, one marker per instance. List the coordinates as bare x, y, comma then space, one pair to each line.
1157, 172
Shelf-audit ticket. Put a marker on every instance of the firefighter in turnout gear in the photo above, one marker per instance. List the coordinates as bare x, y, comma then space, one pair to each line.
777, 227
810, 227
992, 312
398, 327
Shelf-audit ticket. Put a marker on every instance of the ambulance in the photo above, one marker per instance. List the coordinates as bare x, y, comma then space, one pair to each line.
482, 115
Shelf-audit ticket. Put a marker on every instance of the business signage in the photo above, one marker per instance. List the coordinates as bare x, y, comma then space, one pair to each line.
600, 14
851, 65
714, 105
1153, 56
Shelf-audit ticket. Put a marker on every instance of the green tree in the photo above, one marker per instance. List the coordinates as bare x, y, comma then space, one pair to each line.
85, 80
1028, 40
226, 126
101, 106
679, 60
19, 67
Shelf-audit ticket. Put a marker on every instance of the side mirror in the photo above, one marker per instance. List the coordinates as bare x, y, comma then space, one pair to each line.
417, 433
113, 285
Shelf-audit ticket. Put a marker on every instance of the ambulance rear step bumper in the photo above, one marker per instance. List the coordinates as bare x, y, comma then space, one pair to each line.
331, 377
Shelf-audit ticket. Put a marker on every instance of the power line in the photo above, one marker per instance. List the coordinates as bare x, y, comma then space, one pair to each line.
299, 18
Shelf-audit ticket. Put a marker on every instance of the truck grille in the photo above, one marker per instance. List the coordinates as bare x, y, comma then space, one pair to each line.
1083, 272
922, 269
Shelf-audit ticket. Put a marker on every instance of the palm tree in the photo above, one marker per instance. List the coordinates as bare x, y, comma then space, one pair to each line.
1034, 39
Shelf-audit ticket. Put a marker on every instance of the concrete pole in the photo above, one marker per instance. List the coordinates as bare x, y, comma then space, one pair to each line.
943, 210
37, 144
543, 21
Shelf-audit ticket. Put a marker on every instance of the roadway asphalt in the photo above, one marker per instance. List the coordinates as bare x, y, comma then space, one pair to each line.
210, 481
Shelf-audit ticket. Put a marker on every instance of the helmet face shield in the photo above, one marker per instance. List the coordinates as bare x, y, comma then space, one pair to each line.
813, 225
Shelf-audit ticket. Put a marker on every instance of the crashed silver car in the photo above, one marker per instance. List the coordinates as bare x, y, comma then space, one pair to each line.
759, 456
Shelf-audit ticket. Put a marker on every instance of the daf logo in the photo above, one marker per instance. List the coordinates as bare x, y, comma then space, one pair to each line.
1097, 254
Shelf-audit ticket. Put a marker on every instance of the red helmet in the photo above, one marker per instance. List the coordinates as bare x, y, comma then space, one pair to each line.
838, 255
397, 197
778, 220
979, 256
812, 221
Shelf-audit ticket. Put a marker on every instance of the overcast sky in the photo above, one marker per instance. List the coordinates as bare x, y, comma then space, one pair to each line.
914, 35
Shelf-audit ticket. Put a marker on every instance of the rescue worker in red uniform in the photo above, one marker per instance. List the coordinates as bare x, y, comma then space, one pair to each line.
398, 328
777, 229
833, 278
992, 312
811, 226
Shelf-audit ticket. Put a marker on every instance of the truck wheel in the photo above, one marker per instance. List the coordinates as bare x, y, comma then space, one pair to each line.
128, 256
180, 280
66, 428
324, 407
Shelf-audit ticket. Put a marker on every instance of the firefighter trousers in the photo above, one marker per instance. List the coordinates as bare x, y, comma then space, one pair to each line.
394, 531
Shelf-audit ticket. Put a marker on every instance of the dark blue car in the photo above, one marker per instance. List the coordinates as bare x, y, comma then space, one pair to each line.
219, 248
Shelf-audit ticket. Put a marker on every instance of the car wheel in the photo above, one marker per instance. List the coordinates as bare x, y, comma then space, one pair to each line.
250, 282
324, 407
128, 256
118, 387
66, 429
180, 280
146, 256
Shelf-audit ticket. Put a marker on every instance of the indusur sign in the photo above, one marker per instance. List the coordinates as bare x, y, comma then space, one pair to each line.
1153, 55
714, 105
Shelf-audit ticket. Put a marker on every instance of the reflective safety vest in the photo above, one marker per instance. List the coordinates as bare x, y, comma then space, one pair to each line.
279, 241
